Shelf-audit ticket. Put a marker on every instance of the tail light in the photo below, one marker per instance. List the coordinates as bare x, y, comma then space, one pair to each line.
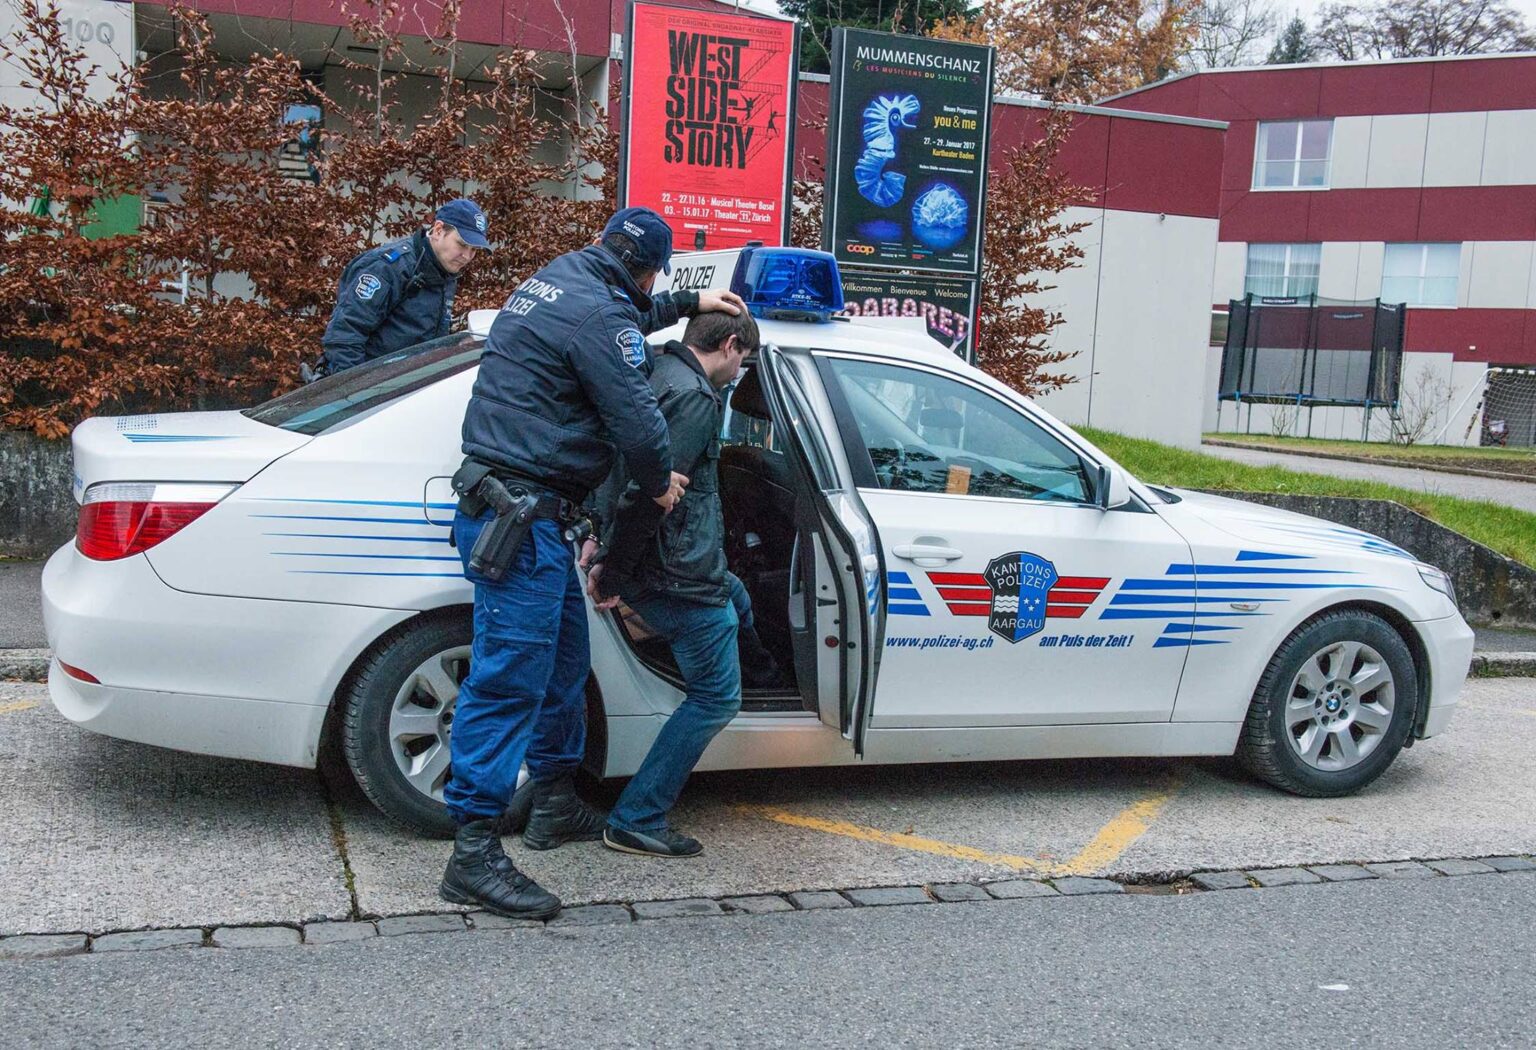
120, 518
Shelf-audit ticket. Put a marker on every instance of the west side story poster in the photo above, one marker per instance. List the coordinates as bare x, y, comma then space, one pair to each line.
709, 109
907, 156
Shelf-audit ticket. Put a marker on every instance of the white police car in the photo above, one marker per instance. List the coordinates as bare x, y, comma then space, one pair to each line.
946, 573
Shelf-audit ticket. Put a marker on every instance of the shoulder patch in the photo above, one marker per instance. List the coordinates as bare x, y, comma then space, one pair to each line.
368, 286
631, 346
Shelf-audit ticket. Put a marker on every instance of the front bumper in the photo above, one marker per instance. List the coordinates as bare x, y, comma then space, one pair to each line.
1448, 643
235, 677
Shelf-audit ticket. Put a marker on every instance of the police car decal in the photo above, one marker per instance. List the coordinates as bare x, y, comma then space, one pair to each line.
368, 286
632, 345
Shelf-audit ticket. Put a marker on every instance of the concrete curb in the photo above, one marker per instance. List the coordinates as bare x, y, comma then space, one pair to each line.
1381, 461
31, 665
29, 946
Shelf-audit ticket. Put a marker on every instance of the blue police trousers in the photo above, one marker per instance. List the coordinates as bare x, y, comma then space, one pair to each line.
524, 698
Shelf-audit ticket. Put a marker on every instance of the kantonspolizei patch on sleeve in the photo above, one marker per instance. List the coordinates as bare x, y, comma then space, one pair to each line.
368, 286
632, 345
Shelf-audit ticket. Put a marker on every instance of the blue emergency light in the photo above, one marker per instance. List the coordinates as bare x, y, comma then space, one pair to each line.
788, 284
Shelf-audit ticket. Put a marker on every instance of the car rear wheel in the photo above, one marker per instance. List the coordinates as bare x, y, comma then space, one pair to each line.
1333, 708
397, 713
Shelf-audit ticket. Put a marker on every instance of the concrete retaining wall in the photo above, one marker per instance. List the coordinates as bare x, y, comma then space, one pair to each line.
1491, 588
37, 510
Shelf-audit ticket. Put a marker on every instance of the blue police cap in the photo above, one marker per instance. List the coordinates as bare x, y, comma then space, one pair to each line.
465, 216
650, 233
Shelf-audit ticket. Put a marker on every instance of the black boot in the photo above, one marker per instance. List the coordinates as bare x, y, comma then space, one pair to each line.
480, 872
759, 670
559, 815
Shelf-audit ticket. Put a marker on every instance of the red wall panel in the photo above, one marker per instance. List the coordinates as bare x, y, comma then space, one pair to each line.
1350, 91
1363, 215
1264, 217
1462, 87
1499, 337
1477, 213
1167, 168
1263, 94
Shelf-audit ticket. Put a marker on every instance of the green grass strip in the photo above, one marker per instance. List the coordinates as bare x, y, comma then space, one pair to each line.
1380, 450
1508, 531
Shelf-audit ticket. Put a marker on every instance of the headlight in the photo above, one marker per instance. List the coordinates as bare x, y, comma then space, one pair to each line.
1438, 580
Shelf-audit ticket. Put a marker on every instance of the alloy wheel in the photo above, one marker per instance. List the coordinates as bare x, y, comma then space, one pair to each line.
421, 719
1340, 705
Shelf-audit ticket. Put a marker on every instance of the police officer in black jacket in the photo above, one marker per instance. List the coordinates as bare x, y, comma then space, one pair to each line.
562, 389
672, 571
401, 293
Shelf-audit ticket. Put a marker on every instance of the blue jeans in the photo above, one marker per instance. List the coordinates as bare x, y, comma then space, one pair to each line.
525, 697
703, 640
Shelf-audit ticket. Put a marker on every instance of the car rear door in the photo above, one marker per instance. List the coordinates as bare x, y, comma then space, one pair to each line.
1014, 597
837, 600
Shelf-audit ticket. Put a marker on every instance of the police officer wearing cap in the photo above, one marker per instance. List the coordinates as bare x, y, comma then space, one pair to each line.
401, 293
562, 390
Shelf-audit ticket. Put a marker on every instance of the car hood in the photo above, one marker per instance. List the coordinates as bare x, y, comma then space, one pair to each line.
1270, 526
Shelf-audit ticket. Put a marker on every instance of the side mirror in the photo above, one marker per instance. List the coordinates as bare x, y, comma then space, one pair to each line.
1110, 489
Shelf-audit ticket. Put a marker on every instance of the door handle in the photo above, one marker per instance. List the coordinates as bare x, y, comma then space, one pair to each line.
923, 552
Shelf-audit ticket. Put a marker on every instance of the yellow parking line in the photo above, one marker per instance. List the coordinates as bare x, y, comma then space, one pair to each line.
1117, 836
19, 705
890, 838
1104, 849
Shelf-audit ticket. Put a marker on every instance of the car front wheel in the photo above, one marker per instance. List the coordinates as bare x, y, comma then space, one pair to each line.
1333, 708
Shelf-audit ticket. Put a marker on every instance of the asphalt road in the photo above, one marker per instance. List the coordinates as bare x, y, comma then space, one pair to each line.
1518, 494
105, 835
1426, 963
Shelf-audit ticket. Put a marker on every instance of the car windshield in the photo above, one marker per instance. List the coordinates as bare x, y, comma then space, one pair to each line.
323, 404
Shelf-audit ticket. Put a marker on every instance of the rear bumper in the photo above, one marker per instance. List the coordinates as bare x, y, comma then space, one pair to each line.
236, 677
1448, 643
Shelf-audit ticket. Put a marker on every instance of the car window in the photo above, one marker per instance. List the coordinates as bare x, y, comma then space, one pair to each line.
335, 399
929, 433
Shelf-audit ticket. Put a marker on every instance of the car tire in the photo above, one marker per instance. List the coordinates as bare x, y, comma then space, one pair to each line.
396, 709
1333, 708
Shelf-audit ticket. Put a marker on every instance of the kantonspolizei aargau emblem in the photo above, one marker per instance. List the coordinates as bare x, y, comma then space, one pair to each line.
1019, 581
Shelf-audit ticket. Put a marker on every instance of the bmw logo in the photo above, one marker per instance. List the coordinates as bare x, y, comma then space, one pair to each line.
1333, 703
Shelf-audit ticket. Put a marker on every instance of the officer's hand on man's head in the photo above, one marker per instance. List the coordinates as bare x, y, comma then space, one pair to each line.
724, 301
667, 500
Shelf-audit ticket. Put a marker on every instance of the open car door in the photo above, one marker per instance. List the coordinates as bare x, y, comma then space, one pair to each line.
837, 582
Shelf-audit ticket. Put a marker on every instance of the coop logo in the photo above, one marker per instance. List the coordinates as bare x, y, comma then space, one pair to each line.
1019, 581
860, 249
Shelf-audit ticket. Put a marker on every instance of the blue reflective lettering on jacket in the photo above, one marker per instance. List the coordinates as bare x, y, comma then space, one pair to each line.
389, 298
556, 399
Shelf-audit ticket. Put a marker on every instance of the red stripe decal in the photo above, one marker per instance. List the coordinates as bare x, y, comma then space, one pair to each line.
971, 610
1082, 583
1065, 612
963, 579
966, 594
1071, 597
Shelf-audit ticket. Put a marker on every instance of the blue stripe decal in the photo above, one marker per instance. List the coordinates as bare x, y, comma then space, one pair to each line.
1180, 599
1175, 585
1172, 627
898, 577
383, 557
1164, 643
360, 502
1165, 614
372, 521
907, 610
1231, 570
355, 536
338, 572
1265, 556
144, 439
904, 594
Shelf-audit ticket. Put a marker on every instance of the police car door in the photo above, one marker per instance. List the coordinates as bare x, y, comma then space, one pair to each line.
1015, 596
837, 597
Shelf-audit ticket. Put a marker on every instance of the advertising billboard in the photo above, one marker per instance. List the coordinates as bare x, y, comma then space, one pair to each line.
907, 151
947, 305
709, 102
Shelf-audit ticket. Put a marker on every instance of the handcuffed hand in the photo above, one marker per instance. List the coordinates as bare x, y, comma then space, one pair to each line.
725, 302
588, 550
668, 499
595, 592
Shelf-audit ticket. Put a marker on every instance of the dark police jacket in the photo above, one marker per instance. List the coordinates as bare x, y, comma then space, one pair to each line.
389, 298
562, 384
681, 554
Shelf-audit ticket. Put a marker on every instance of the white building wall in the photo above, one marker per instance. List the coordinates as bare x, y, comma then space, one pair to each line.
1494, 148
1137, 313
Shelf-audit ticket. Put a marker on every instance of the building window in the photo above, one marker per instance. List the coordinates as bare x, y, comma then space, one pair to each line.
1282, 270
1292, 154
1421, 274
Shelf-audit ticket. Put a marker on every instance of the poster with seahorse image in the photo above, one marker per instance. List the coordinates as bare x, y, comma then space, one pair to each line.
907, 152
